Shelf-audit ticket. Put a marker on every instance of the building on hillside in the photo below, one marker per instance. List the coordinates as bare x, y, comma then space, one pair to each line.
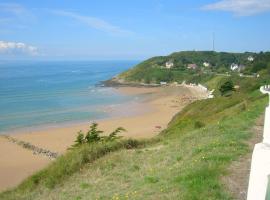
250, 58
192, 66
234, 67
169, 64
163, 83
206, 64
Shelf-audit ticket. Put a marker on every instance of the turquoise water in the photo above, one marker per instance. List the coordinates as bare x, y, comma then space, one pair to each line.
40, 93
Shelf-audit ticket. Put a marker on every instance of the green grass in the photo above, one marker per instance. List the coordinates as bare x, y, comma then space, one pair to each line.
71, 162
152, 70
186, 161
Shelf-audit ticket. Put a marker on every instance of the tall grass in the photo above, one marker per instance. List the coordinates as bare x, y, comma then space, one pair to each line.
72, 162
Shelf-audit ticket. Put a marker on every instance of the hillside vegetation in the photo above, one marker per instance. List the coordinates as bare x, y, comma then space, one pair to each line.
153, 70
185, 161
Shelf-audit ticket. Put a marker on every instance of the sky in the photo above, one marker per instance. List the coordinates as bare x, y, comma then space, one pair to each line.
129, 29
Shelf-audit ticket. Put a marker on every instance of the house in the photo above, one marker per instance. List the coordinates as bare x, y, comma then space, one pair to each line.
192, 66
206, 64
250, 58
234, 67
169, 65
163, 83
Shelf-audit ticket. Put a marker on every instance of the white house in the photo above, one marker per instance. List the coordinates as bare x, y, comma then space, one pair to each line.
206, 64
163, 83
234, 67
169, 64
250, 58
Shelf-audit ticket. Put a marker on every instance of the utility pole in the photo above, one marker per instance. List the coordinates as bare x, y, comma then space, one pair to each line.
213, 41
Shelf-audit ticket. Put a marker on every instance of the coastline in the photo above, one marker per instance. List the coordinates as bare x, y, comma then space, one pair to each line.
156, 110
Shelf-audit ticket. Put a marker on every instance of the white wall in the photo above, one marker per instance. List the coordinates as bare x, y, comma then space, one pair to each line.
260, 165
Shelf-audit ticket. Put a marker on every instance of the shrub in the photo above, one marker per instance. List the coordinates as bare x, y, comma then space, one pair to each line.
226, 88
93, 135
199, 124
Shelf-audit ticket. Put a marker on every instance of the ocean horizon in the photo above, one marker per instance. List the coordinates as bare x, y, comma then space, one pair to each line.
44, 93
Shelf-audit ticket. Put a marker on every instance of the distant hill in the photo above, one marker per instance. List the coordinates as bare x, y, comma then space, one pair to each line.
193, 66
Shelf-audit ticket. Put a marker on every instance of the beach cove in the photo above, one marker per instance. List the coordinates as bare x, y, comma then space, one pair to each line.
154, 112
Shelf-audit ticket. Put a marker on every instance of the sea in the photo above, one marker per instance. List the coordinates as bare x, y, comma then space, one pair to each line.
45, 93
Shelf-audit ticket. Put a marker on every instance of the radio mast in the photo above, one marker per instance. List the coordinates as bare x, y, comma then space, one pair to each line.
213, 41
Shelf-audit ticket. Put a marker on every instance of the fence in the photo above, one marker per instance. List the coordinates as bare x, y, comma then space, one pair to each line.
259, 184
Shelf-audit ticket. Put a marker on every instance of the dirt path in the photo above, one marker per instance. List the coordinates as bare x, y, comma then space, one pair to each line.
237, 180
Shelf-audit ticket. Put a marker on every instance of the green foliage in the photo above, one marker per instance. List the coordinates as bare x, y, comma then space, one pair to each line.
198, 124
153, 71
258, 66
93, 135
80, 139
226, 88
113, 135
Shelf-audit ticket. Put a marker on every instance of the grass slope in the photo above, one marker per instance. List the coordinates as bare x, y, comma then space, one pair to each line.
186, 161
153, 70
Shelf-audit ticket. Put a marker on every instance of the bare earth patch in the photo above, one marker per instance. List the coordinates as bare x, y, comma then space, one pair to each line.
237, 180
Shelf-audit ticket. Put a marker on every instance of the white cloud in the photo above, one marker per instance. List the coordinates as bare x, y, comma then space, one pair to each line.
15, 48
240, 7
94, 22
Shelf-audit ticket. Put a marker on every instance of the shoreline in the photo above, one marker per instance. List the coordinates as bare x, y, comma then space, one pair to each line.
157, 108
67, 124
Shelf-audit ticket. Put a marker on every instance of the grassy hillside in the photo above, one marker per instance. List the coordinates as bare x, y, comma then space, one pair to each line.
153, 70
186, 161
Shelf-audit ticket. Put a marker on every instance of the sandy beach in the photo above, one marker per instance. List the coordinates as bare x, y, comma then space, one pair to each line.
155, 110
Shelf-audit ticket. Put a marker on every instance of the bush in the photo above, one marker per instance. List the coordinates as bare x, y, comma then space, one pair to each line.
93, 136
199, 124
226, 88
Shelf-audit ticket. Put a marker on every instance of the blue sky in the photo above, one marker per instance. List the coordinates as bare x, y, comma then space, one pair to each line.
125, 29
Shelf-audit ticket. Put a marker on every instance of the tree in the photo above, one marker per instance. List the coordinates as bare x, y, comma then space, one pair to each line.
226, 88
79, 139
93, 135
113, 135
258, 66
